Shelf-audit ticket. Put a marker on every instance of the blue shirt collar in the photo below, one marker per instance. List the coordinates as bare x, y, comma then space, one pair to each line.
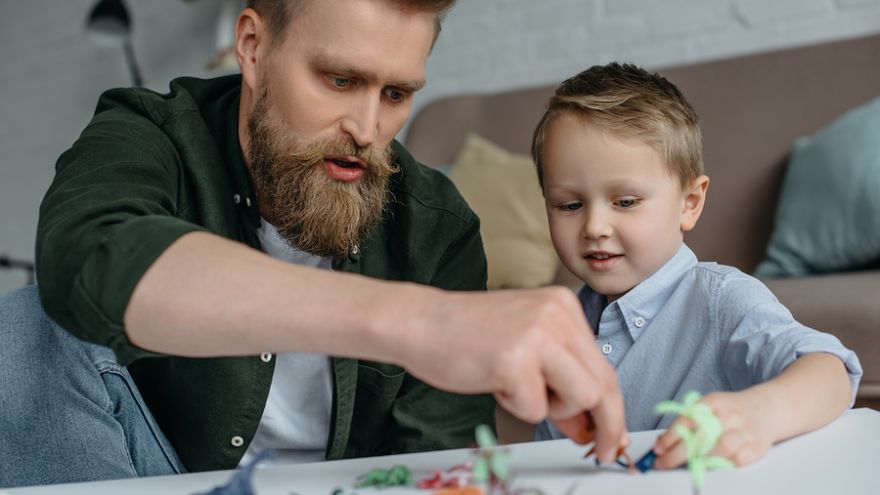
640, 305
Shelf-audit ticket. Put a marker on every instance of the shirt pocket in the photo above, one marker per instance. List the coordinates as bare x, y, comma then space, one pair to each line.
377, 387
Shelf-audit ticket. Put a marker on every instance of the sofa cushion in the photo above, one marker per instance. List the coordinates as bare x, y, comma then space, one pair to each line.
844, 305
828, 217
502, 188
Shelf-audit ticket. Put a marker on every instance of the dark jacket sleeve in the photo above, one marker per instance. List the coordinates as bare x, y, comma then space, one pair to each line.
107, 216
425, 418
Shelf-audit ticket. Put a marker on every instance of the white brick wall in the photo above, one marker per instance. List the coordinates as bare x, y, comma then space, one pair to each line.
755, 12
52, 75
491, 45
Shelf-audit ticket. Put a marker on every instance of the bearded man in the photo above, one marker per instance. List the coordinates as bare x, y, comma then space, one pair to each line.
253, 262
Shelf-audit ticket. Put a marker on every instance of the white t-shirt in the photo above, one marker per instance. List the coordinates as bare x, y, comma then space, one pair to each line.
296, 420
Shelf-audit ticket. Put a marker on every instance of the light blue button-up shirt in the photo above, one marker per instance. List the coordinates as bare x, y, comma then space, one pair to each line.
697, 326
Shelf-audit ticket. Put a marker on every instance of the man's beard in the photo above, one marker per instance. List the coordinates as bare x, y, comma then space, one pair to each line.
311, 211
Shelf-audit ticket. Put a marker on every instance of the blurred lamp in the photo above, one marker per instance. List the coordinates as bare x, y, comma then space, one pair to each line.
7, 263
109, 24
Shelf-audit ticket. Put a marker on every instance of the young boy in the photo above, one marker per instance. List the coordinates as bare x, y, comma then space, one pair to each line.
618, 155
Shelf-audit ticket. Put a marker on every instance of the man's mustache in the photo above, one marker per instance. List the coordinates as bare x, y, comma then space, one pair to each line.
377, 160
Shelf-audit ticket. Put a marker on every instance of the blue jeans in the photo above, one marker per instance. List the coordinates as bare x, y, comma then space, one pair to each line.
68, 411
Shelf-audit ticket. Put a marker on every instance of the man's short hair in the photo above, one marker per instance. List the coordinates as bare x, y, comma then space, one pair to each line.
277, 13
631, 103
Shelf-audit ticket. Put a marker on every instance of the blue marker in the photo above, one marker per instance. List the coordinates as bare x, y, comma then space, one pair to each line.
646, 463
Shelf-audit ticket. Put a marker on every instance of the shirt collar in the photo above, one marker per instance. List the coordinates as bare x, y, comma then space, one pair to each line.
221, 114
639, 306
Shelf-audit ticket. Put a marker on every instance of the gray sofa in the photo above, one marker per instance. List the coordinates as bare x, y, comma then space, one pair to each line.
751, 109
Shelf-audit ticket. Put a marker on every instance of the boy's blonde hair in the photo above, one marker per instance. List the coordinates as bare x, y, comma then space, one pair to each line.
631, 103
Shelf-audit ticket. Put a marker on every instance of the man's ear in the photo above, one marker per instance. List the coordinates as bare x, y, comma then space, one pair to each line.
694, 199
251, 46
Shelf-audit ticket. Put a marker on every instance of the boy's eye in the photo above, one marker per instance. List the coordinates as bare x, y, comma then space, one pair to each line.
626, 202
572, 206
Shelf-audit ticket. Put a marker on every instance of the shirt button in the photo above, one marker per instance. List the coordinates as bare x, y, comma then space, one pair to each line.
247, 201
639, 321
606, 349
266, 357
237, 441
236, 198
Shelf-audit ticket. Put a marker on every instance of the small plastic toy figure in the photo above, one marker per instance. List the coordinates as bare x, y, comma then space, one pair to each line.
381, 478
588, 434
491, 466
458, 476
240, 483
700, 441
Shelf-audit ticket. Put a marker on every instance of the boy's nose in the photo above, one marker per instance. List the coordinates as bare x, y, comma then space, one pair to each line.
597, 226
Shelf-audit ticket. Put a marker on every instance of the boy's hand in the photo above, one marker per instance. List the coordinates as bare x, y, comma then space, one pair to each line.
744, 441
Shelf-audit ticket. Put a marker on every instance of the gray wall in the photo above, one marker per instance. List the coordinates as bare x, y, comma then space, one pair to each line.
52, 73
490, 45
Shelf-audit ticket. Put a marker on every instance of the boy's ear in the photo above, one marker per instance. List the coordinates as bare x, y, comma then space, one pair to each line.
694, 199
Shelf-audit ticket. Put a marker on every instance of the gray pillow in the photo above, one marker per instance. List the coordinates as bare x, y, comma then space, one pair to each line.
828, 217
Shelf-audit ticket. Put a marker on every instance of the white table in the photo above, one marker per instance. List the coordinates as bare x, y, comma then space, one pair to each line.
841, 459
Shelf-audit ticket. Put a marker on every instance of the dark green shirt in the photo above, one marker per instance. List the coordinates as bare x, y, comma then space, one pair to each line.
150, 168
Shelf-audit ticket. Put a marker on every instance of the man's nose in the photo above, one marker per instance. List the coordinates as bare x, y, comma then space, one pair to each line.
362, 121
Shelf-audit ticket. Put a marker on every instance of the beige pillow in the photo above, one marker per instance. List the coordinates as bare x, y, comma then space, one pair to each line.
502, 188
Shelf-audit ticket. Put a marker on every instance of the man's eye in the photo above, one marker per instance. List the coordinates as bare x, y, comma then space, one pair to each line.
395, 95
572, 206
626, 202
340, 82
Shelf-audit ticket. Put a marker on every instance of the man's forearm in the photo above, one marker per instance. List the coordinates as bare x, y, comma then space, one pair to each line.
208, 296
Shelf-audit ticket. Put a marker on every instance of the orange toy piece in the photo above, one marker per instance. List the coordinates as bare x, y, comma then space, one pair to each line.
467, 490
588, 434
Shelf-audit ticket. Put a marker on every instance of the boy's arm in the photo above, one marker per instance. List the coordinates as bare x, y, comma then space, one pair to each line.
813, 391
810, 393
790, 379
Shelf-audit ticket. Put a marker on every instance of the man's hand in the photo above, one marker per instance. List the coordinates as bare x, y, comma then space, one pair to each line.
533, 349
745, 439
